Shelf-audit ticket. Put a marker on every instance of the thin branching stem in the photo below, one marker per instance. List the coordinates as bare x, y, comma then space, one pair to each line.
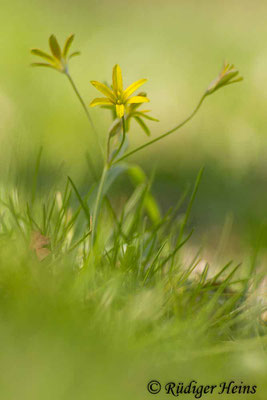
85, 110
164, 134
107, 166
122, 140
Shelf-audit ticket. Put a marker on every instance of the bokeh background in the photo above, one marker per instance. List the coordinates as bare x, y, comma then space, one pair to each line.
180, 47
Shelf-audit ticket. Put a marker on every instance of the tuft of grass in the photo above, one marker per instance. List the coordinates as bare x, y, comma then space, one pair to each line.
123, 310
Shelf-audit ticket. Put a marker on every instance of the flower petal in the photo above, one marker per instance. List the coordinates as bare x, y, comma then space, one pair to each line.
101, 101
54, 46
67, 45
138, 99
117, 79
133, 87
43, 65
104, 89
74, 54
120, 110
40, 53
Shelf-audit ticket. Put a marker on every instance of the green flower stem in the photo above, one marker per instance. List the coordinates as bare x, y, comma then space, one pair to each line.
108, 148
165, 134
98, 200
122, 140
106, 168
85, 110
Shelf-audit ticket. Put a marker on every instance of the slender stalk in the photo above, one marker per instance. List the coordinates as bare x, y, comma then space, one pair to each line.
122, 140
98, 200
106, 168
164, 134
85, 109
108, 147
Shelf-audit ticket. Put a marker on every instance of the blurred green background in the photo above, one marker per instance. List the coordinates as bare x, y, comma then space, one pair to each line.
180, 47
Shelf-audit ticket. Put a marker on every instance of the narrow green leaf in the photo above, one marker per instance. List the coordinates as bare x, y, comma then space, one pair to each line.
218, 275
50, 214
173, 253
138, 177
36, 171
113, 173
189, 207
84, 207
152, 208
115, 127
214, 300
143, 125
151, 268
143, 115
137, 174
80, 241
31, 220
44, 219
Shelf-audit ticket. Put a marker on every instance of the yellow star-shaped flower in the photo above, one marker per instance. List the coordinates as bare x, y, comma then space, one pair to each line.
117, 96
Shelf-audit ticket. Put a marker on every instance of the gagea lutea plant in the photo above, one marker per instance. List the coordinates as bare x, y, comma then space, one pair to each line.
125, 105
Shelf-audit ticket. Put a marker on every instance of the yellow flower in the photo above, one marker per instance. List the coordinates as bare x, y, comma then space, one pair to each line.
132, 111
227, 76
117, 96
59, 58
